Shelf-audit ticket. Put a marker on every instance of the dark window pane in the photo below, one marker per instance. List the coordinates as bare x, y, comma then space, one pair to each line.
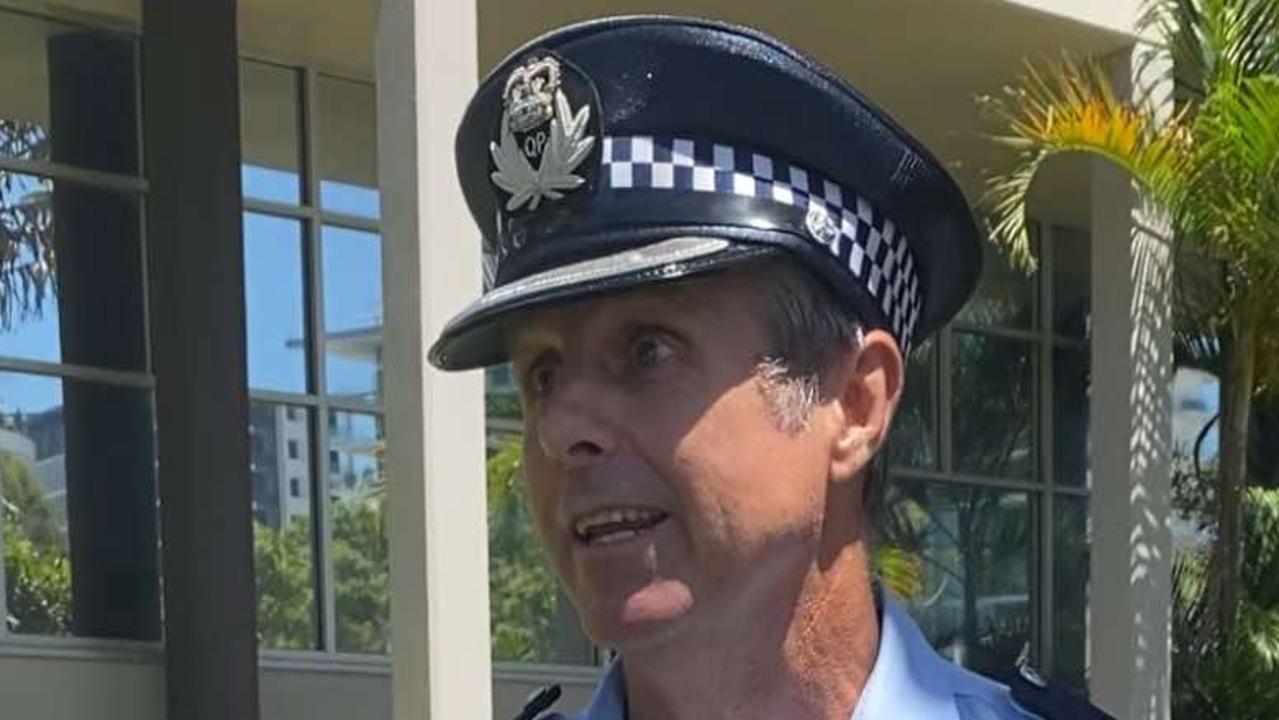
79, 511
67, 95
361, 559
348, 147
530, 618
913, 441
282, 526
1072, 282
72, 275
1005, 295
993, 410
1070, 589
962, 558
275, 303
1070, 415
270, 132
353, 313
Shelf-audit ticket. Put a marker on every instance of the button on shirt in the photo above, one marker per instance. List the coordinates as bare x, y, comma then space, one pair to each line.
909, 681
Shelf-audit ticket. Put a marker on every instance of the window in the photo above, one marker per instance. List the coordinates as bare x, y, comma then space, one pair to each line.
986, 503
76, 445
530, 618
313, 281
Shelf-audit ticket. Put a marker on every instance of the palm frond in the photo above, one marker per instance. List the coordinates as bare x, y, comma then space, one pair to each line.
1238, 130
1213, 41
1072, 107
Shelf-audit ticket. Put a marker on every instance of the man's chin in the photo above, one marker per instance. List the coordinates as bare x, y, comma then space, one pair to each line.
650, 615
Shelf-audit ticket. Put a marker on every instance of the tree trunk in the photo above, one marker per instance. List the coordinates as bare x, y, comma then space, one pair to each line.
1239, 362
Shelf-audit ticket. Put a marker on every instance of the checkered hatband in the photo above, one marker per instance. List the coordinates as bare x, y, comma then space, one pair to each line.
856, 233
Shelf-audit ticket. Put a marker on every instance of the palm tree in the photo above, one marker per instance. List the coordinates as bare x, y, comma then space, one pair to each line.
26, 227
1212, 169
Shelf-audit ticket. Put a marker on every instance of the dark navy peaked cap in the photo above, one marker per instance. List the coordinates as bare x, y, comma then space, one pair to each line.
625, 151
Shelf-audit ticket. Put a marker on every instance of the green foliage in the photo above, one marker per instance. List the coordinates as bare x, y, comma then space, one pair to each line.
1237, 678
27, 260
502, 405
523, 591
900, 570
287, 610
37, 572
362, 571
285, 585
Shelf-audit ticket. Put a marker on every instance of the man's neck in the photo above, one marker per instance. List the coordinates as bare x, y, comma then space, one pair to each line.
807, 661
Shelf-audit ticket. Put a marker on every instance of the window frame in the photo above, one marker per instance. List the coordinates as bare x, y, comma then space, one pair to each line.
313, 219
135, 187
1042, 487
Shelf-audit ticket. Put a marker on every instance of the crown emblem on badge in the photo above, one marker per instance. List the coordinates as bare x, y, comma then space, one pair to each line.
538, 124
530, 94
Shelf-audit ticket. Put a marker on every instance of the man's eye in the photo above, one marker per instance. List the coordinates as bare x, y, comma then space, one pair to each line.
651, 351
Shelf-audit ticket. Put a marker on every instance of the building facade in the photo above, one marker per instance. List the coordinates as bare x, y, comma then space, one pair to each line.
233, 488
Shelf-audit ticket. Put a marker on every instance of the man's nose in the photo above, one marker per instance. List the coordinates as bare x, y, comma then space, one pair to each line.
578, 423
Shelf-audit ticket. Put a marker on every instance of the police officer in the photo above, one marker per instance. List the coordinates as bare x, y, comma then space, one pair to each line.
706, 257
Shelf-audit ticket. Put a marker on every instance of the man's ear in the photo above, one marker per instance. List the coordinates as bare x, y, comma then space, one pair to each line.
866, 384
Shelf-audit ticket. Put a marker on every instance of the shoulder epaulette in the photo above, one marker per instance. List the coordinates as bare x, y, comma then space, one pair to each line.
1048, 700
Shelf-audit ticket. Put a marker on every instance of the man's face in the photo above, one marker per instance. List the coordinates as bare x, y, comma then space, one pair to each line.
669, 497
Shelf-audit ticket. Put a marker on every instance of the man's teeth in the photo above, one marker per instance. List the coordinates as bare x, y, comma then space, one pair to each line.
616, 524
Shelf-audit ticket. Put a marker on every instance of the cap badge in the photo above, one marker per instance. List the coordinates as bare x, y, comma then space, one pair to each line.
538, 125
823, 227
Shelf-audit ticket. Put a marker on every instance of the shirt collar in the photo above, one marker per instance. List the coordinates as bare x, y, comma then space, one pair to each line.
609, 701
909, 680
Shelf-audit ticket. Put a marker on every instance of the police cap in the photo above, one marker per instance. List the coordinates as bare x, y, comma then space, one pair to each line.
619, 152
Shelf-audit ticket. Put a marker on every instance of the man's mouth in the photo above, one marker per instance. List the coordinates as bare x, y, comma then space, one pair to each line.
614, 525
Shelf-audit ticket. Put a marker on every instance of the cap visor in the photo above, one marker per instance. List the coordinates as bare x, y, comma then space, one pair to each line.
476, 336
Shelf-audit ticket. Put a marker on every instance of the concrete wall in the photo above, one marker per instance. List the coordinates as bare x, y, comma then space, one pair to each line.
45, 684
73, 686
1117, 15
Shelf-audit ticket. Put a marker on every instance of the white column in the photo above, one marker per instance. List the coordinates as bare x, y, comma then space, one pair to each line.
1130, 438
426, 72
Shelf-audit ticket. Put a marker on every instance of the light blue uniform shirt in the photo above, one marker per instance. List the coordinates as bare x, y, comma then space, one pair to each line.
910, 681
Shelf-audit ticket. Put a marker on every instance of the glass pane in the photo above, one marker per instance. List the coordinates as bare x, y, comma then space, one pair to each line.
914, 434
79, 510
67, 95
280, 475
993, 410
1072, 282
270, 132
275, 303
1196, 400
967, 555
1070, 415
361, 554
1004, 294
353, 313
348, 147
530, 618
70, 274
1070, 589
